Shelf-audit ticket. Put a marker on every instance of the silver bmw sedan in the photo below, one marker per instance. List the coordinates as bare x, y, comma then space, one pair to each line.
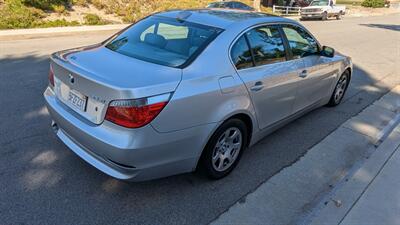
189, 89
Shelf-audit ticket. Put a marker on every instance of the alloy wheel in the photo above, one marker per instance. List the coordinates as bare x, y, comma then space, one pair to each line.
340, 89
227, 149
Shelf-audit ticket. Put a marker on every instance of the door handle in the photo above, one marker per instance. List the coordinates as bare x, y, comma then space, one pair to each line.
257, 86
303, 74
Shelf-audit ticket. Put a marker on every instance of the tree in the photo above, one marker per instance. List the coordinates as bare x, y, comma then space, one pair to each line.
257, 5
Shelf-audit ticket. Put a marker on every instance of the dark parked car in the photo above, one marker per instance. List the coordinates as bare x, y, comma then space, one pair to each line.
230, 5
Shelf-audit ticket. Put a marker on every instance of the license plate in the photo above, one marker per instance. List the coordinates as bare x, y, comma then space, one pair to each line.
77, 99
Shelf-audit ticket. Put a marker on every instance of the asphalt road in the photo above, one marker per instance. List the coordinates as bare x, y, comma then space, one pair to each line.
42, 182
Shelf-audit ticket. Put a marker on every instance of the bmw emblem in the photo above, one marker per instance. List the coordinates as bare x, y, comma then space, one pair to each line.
71, 78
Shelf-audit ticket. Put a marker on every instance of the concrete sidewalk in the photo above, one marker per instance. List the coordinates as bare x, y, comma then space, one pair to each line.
380, 202
371, 195
326, 184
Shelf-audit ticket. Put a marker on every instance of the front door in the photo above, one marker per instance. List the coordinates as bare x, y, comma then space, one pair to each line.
271, 80
317, 75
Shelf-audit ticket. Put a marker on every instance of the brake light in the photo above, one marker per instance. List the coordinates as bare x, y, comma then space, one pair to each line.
136, 113
51, 76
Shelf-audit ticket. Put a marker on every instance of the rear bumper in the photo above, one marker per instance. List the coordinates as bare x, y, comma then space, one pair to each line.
128, 154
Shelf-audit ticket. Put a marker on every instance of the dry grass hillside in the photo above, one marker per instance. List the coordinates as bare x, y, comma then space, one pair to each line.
51, 13
47, 13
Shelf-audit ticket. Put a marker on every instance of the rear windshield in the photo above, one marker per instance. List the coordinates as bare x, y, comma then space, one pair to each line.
164, 41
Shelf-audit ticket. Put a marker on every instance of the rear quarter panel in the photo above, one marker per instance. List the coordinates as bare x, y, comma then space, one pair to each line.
210, 91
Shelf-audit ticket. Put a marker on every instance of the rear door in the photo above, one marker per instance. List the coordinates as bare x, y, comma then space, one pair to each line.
317, 76
261, 61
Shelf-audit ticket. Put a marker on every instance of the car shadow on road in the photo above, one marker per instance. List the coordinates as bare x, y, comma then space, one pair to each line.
44, 178
393, 27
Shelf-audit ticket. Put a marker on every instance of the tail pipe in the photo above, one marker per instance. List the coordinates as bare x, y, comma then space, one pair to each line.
54, 126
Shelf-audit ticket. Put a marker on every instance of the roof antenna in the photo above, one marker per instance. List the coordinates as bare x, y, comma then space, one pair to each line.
182, 16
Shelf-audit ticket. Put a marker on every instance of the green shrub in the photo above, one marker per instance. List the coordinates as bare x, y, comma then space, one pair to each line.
93, 19
16, 15
56, 23
47, 4
100, 4
373, 3
281, 2
80, 2
60, 9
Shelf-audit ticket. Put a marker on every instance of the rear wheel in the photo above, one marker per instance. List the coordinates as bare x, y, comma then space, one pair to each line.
223, 151
340, 89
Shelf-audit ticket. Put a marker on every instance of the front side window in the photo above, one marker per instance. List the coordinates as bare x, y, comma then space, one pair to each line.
239, 5
301, 43
241, 55
164, 41
266, 44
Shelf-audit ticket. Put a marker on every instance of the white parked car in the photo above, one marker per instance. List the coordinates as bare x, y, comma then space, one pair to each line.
323, 9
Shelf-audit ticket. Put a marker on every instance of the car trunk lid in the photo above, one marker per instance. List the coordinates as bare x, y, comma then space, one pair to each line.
97, 75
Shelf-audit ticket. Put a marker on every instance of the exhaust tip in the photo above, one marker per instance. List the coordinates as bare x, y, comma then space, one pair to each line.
54, 126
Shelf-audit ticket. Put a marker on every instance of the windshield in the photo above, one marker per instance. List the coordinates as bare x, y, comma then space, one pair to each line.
319, 3
217, 5
164, 41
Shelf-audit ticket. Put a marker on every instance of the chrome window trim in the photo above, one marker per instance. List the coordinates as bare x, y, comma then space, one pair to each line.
283, 38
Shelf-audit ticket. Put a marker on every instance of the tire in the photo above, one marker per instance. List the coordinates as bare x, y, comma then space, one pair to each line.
339, 16
340, 89
218, 148
324, 16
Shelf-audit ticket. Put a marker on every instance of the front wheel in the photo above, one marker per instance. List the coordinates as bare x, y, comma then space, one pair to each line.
339, 16
340, 89
324, 16
223, 151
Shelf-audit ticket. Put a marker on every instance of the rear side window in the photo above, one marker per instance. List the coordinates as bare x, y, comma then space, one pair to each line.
266, 45
241, 55
164, 41
301, 43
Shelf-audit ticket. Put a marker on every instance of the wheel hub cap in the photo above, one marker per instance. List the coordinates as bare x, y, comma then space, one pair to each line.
227, 149
340, 89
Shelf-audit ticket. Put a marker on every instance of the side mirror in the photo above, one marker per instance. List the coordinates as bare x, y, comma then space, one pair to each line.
328, 52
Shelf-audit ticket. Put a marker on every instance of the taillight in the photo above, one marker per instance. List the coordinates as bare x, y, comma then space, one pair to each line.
137, 112
51, 76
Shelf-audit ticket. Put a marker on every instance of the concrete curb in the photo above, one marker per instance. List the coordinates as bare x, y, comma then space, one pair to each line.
378, 203
290, 196
55, 31
336, 206
348, 193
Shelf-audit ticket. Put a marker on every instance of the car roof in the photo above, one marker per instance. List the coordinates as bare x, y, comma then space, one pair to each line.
225, 2
222, 18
